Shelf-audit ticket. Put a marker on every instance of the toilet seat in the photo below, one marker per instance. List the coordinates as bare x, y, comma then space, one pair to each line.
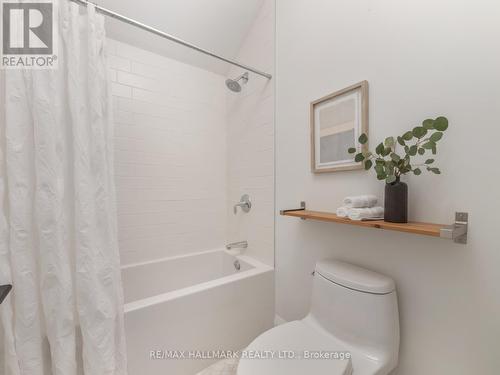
298, 337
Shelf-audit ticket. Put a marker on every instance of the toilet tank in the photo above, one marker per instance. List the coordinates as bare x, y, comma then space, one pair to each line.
358, 307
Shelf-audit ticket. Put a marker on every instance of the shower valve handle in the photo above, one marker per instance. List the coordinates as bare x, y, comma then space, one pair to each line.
244, 203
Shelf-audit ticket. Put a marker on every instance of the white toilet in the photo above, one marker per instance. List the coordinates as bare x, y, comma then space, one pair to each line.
352, 310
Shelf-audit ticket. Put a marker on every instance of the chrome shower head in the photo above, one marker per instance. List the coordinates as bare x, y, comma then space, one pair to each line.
234, 84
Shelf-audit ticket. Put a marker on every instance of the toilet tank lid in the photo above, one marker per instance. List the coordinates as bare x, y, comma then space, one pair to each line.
355, 277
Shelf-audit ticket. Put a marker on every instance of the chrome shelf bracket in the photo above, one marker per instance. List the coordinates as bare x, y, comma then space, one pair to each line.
302, 208
457, 231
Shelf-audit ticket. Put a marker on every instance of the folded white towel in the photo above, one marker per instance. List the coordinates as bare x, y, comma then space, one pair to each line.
366, 213
360, 201
343, 211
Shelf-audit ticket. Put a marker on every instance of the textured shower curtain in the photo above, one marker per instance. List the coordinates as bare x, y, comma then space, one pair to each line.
58, 240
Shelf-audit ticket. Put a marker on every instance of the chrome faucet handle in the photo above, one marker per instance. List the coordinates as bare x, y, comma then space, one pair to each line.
244, 203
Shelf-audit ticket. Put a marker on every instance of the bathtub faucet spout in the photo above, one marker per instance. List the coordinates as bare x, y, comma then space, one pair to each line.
237, 245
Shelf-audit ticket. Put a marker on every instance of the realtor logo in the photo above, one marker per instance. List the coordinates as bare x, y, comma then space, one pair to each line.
28, 34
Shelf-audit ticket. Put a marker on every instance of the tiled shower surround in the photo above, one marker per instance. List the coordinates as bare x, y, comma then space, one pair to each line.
187, 148
250, 142
170, 158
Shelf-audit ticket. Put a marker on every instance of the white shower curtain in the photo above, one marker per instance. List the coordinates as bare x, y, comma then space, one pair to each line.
58, 240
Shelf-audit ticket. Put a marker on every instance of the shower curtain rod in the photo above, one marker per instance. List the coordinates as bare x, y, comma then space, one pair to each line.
172, 38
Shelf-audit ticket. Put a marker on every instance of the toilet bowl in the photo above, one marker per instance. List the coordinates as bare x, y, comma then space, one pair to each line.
352, 328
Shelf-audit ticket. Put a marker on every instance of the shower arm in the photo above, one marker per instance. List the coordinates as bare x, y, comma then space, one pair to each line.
172, 38
243, 77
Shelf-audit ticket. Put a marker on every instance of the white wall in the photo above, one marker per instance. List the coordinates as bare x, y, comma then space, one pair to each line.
170, 159
422, 59
250, 142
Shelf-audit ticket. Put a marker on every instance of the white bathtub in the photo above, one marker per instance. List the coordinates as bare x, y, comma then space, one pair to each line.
198, 302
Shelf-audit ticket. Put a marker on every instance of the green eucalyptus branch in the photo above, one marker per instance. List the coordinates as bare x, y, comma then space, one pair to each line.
390, 165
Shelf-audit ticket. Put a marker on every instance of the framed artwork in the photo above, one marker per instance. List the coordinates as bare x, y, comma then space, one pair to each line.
337, 121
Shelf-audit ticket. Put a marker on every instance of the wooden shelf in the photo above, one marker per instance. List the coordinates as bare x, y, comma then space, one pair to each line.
426, 229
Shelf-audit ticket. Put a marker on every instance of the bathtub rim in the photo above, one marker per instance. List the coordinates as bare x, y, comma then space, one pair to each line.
258, 268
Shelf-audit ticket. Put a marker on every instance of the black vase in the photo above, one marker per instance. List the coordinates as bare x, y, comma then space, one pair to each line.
396, 202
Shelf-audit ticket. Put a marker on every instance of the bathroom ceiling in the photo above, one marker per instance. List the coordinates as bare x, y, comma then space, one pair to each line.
216, 25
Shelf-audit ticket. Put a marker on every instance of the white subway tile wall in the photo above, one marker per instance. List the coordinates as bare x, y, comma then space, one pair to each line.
186, 149
170, 154
250, 142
